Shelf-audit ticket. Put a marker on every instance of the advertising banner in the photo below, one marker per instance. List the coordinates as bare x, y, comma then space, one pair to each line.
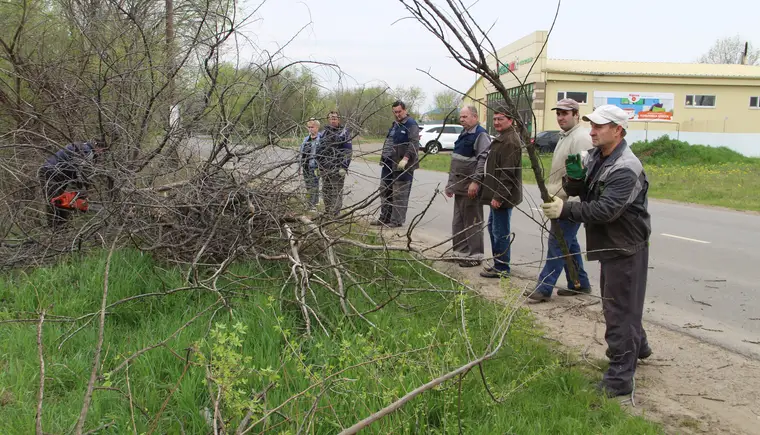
641, 106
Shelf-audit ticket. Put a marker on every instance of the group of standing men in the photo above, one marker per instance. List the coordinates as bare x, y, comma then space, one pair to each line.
594, 179
326, 156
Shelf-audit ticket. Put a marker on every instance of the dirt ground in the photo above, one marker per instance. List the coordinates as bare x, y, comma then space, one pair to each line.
689, 386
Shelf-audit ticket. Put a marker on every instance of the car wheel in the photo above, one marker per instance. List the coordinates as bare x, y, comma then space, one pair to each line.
432, 147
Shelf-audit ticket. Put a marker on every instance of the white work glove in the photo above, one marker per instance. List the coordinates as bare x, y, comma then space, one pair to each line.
402, 164
342, 172
553, 209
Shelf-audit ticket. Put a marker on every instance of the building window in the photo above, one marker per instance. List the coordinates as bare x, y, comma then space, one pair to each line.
754, 102
700, 100
580, 97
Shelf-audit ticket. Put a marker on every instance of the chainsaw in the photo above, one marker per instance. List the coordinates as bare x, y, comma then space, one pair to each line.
71, 201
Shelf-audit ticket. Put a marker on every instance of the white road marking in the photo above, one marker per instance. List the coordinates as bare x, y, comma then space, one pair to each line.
684, 238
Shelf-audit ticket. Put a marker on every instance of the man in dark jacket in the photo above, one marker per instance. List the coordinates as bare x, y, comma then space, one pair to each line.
502, 189
612, 186
468, 162
308, 160
333, 159
69, 169
399, 159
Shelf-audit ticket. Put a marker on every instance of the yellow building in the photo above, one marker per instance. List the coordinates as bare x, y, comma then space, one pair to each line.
700, 103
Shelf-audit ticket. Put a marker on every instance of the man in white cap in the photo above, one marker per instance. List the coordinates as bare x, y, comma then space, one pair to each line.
572, 140
612, 186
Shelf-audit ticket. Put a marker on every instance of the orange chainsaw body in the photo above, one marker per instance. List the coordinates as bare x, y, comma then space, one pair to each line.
71, 201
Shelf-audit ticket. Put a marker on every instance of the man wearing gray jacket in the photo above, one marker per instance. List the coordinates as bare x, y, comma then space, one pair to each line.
572, 140
612, 186
468, 161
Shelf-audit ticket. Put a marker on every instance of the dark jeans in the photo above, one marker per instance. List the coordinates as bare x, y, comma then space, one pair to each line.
623, 284
311, 181
394, 195
555, 262
332, 191
501, 244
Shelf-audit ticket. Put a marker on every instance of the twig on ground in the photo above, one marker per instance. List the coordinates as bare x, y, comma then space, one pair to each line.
131, 404
41, 392
699, 302
98, 346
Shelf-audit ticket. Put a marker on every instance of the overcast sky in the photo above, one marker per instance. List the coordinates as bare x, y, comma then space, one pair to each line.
372, 47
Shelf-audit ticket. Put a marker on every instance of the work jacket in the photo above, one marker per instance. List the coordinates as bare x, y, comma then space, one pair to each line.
503, 174
613, 203
334, 149
575, 141
468, 159
402, 140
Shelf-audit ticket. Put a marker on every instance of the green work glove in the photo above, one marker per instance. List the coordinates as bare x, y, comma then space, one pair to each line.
342, 172
574, 167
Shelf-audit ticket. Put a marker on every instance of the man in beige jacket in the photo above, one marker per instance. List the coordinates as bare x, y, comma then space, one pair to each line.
573, 140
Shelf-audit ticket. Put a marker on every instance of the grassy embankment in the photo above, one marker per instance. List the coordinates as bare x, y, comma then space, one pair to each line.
677, 171
357, 369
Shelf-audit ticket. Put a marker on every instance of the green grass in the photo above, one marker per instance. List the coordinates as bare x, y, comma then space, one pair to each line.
665, 151
260, 343
432, 162
700, 174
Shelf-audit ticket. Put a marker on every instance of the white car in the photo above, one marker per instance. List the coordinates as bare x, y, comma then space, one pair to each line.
437, 137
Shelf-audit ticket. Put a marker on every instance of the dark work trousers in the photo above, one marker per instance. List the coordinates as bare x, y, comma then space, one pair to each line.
623, 282
311, 181
467, 227
54, 183
394, 196
332, 191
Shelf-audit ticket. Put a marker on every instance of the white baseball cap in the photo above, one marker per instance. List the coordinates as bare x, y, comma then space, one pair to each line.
608, 113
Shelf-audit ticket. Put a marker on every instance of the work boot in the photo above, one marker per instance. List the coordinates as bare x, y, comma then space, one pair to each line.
610, 392
493, 273
573, 292
644, 352
378, 223
469, 263
537, 296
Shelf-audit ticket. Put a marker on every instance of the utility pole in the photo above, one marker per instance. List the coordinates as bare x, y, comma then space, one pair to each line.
170, 58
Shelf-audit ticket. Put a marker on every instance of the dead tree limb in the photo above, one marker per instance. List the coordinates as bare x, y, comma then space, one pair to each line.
470, 55
98, 346
41, 392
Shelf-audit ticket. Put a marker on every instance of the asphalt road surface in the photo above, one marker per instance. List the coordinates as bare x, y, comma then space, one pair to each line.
704, 262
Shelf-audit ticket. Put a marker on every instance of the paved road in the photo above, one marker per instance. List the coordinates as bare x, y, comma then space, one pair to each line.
704, 262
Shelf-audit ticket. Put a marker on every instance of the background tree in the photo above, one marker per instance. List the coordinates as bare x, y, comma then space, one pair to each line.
367, 109
729, 50
413, 97
445, 106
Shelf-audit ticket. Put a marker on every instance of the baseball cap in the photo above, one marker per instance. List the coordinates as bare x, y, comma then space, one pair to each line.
567, 104
608, 113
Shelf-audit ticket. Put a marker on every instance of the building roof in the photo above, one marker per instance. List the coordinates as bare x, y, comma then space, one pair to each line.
598, 67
